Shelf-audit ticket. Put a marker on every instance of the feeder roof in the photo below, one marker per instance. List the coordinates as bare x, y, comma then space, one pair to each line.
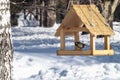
86, 16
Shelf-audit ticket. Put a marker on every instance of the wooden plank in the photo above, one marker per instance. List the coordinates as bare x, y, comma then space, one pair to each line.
58, 30
103, 27
107, 42
72, 19
103, 52
102, 22
80, 14
76, 29
98, 19
76, 39
85, 53
73, 52
62, 40
92, 43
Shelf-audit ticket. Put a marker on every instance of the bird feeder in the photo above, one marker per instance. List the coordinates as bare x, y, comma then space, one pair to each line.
85, 18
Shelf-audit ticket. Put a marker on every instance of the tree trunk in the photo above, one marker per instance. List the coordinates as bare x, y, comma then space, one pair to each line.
6, 51
50, 13
109, 9
42, 13
47, 13
117, 14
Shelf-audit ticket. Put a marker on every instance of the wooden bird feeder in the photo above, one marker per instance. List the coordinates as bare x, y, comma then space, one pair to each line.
85, 18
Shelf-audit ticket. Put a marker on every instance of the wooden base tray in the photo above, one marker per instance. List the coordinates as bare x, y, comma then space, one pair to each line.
85, 52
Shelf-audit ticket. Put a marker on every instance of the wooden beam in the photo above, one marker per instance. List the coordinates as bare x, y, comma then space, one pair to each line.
62, 39
76, 29
73, 52
85, 52
103, 52
92, 43
107, 42
76, 39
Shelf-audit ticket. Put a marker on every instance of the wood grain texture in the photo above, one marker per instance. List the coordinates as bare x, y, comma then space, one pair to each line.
87, 15
85, 53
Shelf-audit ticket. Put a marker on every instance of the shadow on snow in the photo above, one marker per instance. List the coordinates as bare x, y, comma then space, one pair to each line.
50, 52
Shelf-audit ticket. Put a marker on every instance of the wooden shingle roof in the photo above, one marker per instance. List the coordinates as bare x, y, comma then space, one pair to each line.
89, 16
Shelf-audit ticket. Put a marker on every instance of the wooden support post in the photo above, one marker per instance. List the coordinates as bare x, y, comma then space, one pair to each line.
85, 52
92, 43
62, 40
76, 39
107, 42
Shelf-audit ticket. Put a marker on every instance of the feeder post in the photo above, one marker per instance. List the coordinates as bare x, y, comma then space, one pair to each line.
76, 39
62, 39
107, 42
92, 43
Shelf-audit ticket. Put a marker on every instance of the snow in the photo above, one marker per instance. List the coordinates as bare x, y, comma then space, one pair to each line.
27, 22
35, 57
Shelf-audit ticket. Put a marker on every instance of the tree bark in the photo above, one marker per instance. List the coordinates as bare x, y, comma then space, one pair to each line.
47, 13
42, 13
6, 51
109, 9
50, 13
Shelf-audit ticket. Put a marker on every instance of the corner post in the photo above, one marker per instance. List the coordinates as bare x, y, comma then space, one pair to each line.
107, 42
92, 43
76, 39
62, 39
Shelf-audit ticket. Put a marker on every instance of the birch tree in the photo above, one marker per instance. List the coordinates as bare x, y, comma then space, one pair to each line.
109, 9
6, 52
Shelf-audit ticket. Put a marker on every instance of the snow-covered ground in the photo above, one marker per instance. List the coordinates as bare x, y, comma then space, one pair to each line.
35, 57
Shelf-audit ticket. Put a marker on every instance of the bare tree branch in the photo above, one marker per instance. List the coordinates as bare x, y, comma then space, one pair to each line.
17, 2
